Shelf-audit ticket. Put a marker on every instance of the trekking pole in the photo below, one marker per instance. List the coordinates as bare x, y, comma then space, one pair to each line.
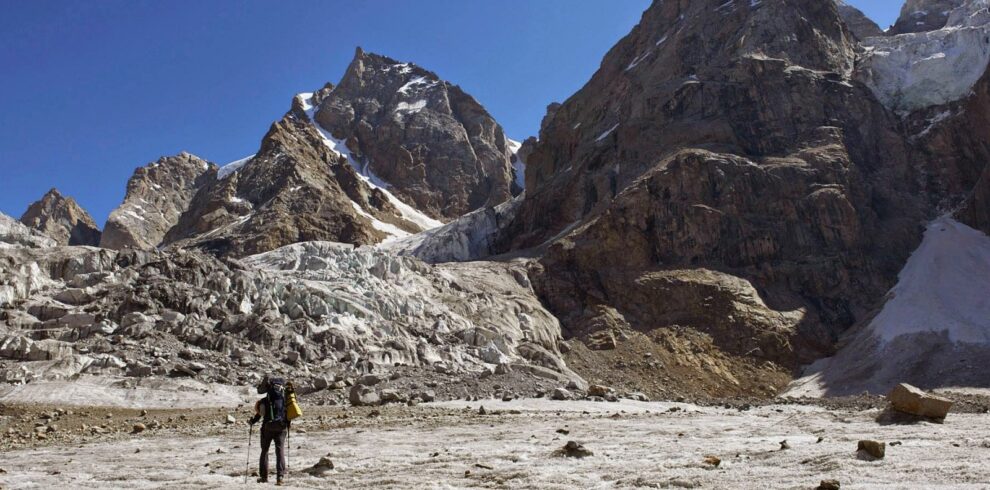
247, 466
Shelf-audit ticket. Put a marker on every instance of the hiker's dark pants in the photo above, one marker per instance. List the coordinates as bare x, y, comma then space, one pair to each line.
273, 432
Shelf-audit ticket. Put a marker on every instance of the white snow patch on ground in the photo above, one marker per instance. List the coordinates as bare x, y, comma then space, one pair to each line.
232, 167
634, 445
945, 287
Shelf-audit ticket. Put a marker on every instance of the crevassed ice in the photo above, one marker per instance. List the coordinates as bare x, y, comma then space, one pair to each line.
917, 70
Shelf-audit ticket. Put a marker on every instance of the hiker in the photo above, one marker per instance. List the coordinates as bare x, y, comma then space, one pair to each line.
273, 410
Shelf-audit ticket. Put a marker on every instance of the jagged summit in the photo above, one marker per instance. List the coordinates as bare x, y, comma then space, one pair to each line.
431, 143
860, 25
923, 16
62, 219
390, 151
157, 194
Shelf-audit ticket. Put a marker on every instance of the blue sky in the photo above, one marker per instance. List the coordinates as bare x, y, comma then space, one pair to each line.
91, 90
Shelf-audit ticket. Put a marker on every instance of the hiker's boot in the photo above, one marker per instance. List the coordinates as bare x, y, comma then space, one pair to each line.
278, 483
263, 479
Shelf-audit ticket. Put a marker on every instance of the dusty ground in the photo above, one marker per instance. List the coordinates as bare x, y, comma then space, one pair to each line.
450, 445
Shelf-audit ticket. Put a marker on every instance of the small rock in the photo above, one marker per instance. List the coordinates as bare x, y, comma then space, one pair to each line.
482, 411
713, 461
138, 428
829, 485
874, 449
784, 445
230, 419
563, 431
598, 390
575, 450
324, 466
483, 466
560, 394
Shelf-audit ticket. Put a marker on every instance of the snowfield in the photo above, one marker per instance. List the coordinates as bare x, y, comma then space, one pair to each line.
635, 445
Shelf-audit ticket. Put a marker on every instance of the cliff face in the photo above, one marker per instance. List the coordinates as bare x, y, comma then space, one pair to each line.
742, 147
389, 152
431, 144
299, 187
62, 219
157, 195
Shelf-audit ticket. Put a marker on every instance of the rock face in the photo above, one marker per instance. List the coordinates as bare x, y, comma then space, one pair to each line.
714, 178
14, 233
860, 25
375, 159
157, 195
62, 219
427, 141
913, 401
923, 16
301, 186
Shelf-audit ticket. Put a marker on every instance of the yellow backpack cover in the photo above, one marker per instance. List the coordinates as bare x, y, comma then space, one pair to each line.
292, 410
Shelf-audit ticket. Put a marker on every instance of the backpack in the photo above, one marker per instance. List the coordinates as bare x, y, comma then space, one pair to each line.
275, 401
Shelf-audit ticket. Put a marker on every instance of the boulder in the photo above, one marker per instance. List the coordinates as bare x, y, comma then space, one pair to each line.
364, 396
873, 449
321, 468
369, 380
829, 485
914, 401
598, 390
575, 450
561, 394
393, 396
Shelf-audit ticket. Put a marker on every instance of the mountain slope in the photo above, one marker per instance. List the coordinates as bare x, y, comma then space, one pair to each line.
62, 219
740, 146
425, 139
157, 194
358, 163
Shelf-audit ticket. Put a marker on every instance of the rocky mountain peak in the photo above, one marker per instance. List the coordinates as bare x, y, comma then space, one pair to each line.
433, 146
860, 25
157, 194
62, 219
923, 15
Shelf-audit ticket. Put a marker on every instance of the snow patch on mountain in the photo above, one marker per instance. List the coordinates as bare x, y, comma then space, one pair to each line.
518, 163
945, 287
232, 167
933, 331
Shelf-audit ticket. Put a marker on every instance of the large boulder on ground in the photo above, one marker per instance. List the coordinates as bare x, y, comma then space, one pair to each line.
914, 401
364, 396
